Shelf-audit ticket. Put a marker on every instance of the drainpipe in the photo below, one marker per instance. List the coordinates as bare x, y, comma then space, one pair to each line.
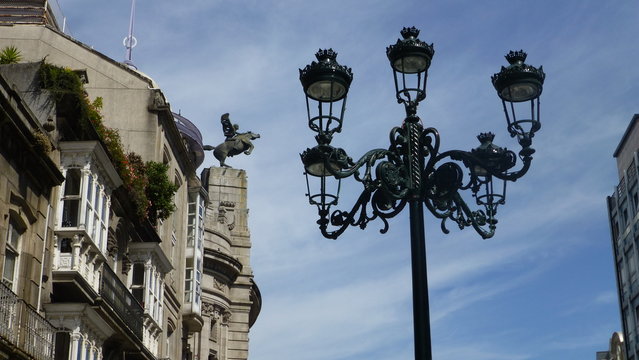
44, 249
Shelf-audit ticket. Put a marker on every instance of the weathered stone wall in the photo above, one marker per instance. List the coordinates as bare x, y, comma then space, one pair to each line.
228, 276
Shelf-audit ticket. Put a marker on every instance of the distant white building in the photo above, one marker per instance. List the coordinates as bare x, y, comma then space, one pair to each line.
623, 210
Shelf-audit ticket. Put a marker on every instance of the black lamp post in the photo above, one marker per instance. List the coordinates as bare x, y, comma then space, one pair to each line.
412, 170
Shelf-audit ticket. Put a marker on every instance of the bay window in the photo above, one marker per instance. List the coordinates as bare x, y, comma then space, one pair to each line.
90, 178
194, 250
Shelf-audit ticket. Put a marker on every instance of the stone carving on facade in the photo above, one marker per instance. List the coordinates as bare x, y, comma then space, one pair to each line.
158, 101
226, 317
213, 311
226, 214
207, 308
220, 285
112, 245
126, 264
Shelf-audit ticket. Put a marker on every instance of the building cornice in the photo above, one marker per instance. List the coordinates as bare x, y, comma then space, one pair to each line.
626, 134
153, 251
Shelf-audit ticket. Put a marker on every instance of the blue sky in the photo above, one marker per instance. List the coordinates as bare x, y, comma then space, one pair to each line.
542, 288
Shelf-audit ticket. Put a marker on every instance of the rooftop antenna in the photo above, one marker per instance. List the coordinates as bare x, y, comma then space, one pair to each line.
130, 41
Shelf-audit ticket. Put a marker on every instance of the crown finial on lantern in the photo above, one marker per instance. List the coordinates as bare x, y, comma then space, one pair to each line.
487, 136
516, 57
326, 54
410, 32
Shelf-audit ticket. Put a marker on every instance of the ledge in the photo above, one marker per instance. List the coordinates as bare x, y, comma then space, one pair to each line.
215, 261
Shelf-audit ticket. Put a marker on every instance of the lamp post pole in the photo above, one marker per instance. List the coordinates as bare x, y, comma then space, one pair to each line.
421, 313
412, 170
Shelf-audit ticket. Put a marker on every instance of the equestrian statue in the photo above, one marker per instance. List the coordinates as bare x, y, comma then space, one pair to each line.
235, 142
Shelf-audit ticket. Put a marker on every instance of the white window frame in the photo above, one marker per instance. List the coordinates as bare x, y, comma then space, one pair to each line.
69, 198
15, 249
139, 287
189, 283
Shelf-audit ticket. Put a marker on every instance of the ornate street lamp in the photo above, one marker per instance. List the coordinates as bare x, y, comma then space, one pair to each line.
412, 169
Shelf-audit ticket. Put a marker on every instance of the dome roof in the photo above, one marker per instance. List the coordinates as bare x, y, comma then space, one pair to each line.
193, 138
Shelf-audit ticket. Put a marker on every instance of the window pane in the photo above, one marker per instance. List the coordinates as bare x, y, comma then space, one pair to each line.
97, 196
138, 294
14, 236
65, 245
104, 209
62, 345
95, 235
9, 267
87, 219
70, 213
138, 274
79, 354
90, 188
72, 182
102, 236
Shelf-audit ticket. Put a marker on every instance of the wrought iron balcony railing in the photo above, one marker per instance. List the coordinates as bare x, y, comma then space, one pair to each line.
621, 189
24, 327
122, 301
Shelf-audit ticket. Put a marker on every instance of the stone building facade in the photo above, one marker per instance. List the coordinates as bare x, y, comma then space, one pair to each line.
84, 276
230, 299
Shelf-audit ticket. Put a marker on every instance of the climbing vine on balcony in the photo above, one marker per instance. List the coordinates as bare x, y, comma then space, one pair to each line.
147, 184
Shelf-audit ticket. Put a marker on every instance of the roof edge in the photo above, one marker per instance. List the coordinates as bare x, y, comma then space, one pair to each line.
634, 120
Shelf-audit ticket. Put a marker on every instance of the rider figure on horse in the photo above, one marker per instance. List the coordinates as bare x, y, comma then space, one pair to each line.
235, 142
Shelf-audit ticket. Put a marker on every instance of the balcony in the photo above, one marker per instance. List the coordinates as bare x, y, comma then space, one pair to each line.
115, 294
25, 329
621, 189
76, 267
632, 173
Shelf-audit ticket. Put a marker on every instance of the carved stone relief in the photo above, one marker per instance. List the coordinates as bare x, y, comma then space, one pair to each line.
212, 310
226, 214
220, 285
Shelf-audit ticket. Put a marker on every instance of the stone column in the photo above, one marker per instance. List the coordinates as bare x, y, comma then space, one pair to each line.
76, 244
224, 334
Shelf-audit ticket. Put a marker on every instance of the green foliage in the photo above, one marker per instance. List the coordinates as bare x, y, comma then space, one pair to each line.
68, 91
71, 99
41, 142
137, 183
160, 191
61, 81
10, 55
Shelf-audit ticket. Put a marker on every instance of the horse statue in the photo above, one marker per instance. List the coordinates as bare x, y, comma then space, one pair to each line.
235, 143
